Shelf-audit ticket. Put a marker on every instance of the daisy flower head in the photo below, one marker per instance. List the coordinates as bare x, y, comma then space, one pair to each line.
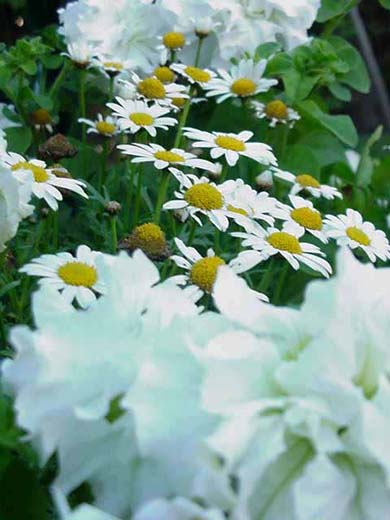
194, 75
111, 66
135, 115
75, 277
201, 271
231, 146
199, 195
306, 182
303, 213
45, 184
242, 81
285, 242
163, 158
153, 89
165, 74
171, 42
276, 112
351, 230
105, 126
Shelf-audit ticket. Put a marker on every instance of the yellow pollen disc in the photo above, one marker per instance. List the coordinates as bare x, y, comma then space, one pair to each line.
151, 88
169, 157
285, 242
141, 119
164, 74
41, 117
358, 236
103, 127
240, 211
78, 274
276, 110
113, 65
197, 74
308, 218
204, 272
179, 102
150, 238
307, 181
40, 174
174, 40
204, 196
230, 143
243, 87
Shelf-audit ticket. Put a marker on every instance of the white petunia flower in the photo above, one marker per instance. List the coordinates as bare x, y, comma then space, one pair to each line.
306, 182
200, 196
276, 112
350, 230
152, 89
137, 115
202, 271
196, 75
76, 277
45, 184
163, 158
103, 125
231, 146
285, 242
303, 213
243, 80
176, 509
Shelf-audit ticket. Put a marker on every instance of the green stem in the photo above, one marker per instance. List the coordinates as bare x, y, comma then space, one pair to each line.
129, 196
55, 229
103, 171
183, 119
224, 172
111, 89
198, 50
114, 235
59, 79
162, 194
281, 283
267, 277
192, 233
83, 107
217, 244
137, 205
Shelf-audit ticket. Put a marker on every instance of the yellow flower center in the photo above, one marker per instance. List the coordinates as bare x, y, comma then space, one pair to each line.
150, 238
198, 74
113, 65
40, 174
152, 88
169, 157
79, 274
174, 40
179, 102
358, 236
240, 211
243, 87
164, 74
141, 119
307, 217
41, 117
285, 242
307, 181
276, 110
103, 127
230, 143
204, 272
204, 196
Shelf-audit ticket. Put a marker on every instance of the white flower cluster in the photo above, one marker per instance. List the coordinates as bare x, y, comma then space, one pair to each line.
252, 412
128, 31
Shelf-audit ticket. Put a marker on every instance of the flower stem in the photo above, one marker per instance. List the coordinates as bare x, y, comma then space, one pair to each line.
59, 79
198, 51
162, 194
111, 89
83, 107
267, 277
192, 233
281, 283
137, 205
114, 235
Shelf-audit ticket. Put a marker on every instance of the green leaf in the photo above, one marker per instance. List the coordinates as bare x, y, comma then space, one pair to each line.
44, 101
301, 159
332, 8
29, 67
19, 138
339, 125
385, 3
340, 92
265, 50
326, 148
366, 165
357, 77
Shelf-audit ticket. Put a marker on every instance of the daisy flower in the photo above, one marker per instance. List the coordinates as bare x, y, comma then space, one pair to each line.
111, 66
45, 184
303, 213
201, 271
152, 89
137, 115
103, 125
171, 42
231, 146
350, 230
243, 80
194, 74
163, 158
164, 74
76, 277
245, 203
276, 112
286, 243
308, 183
200, 196
42, 119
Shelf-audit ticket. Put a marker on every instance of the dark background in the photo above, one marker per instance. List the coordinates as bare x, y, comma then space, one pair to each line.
26, 17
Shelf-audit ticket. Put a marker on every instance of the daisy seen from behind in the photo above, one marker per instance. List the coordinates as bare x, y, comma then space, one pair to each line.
45, 184
285, 242
231, 146
135, 115
306, 182
76, 277
243, 80
352, 231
